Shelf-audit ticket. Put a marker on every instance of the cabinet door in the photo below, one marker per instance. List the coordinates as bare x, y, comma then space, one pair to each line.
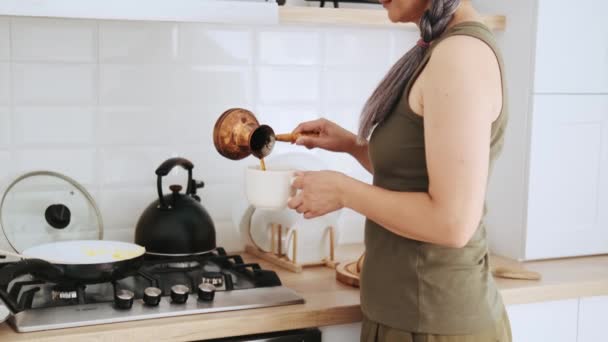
593, 319
345, 332
568, 177
572, 47
548, 321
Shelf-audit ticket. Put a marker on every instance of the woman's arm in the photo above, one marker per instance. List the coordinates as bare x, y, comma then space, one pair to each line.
361, 153
461, 98
333, 138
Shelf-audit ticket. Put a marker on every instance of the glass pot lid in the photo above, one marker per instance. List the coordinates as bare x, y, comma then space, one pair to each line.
44, 206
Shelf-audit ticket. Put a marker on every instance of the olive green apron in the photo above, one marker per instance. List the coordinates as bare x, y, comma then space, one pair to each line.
412, 286
376, 332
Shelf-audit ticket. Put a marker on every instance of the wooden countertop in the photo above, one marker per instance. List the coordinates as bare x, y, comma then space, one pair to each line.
327, 303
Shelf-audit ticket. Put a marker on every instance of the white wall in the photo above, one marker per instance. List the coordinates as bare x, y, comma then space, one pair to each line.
105, 102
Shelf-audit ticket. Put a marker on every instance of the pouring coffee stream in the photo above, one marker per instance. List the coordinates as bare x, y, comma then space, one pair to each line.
238, 134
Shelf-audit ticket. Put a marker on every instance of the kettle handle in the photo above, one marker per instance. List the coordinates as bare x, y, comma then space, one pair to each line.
169, 164
164, 170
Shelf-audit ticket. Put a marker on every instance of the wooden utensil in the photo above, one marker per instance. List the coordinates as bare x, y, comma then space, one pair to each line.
350, 273
515, 273
292, 137
347, 273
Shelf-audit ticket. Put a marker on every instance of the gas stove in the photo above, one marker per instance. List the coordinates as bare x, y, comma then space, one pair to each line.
163, 287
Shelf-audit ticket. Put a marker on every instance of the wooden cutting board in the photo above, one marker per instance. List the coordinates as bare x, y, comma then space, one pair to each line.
349, 272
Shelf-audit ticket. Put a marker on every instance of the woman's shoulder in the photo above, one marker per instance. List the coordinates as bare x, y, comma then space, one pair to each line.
466, 48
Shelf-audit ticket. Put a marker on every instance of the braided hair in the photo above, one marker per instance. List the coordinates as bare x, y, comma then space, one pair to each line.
432, 24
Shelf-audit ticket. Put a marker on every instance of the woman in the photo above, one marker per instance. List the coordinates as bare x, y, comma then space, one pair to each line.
438, 120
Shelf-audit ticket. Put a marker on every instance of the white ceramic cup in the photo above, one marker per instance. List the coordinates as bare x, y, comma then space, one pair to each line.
270, 189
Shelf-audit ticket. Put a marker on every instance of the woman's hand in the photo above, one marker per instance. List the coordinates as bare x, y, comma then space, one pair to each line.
330, 136
320, 192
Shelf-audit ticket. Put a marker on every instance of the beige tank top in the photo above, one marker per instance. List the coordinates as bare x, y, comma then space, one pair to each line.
412, 285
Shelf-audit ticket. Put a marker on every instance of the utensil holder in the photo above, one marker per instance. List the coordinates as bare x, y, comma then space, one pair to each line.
278, 257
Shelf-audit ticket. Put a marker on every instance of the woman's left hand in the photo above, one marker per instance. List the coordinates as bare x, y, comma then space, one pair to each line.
320, 192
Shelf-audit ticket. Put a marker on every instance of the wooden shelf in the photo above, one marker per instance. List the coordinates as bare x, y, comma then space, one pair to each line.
355, 16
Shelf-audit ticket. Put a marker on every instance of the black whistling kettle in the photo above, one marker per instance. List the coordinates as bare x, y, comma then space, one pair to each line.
176, 224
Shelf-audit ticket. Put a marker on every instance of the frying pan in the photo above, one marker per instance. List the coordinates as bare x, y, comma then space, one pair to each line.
76, 261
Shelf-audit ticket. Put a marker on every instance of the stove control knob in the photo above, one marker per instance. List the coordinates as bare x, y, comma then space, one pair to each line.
179, 294
124, 299
206, 292
152, 296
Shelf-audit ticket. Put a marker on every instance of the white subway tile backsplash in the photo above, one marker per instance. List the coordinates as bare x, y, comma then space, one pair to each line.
75, 163
218, 199
122, 207
207, 45
106, 102
289, 47
132, 165
137, 42
278, 85
137, 85
4, 39
151, 125
66, 40
119, 234
284, 119
349, 86
54, 125
211, 167
369, 48
228, 237
5, 83
54, 84
200, 86
6, 169
5, 128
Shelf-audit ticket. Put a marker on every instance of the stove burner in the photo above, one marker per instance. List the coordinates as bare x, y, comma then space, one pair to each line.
216, 280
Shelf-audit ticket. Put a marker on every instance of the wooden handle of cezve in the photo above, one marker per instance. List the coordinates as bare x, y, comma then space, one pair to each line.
292, 137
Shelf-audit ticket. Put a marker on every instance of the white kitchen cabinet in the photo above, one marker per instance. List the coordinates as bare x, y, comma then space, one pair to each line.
572, 47
547, 194
593, 319
547, 321
568, 177
344, 332
562, 210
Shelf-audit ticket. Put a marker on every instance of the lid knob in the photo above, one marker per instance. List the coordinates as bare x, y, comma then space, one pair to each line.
58, 216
